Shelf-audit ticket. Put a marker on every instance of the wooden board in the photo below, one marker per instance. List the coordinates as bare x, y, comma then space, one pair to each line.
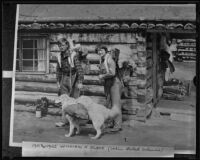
31, 97
52, 88
36, 87
132, 82
48, 78
54, 48
51, 78
93, 70
93, 58
92, 80
155, 66
149, 53
53, 56
97, 37
24, 97
93, 90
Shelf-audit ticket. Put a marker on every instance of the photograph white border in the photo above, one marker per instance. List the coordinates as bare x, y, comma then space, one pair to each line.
11, 143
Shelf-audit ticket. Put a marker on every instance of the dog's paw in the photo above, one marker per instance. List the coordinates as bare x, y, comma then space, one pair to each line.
93, 137
90, 135
68, 135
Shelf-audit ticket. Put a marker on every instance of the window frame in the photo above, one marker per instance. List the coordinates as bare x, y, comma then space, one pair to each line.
46, 50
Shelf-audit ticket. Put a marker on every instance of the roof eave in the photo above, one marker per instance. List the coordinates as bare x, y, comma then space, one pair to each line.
64, 20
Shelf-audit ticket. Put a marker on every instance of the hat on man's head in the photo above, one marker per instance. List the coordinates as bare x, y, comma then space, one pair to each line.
117, 50
62, 40
59, 36
104, 47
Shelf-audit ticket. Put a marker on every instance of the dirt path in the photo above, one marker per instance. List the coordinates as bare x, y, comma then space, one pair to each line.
157, 132
184, 70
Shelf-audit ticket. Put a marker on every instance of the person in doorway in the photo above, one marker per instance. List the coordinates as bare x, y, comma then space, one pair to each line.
173, 47
112, 85
69, 73
167, 58
195, 80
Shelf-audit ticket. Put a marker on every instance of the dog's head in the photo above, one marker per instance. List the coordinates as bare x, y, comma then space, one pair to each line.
61, 99
65, 100
85, 100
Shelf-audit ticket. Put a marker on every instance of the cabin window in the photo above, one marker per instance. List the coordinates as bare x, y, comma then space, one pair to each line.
31, 54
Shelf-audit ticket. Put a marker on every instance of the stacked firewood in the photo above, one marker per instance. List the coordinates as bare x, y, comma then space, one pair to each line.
174, 89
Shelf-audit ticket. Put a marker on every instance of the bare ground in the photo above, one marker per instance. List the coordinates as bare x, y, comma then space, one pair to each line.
155, 132
184, 70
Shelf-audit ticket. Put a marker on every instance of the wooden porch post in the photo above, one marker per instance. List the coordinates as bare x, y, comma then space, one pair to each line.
155, 61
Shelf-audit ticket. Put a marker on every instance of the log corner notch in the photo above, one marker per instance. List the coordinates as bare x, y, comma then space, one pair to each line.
144, 81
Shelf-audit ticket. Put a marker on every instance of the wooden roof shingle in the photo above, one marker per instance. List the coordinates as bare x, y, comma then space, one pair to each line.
66, 12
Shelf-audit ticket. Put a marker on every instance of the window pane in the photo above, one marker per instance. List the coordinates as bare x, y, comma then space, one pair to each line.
39, 54
27, 65
17, 65
17, 53
27, 53
40, 65
27, 44
35, 44
35, 54
17, 43
40, 43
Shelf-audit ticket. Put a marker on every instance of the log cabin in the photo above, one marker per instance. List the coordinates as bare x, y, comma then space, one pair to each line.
136, 30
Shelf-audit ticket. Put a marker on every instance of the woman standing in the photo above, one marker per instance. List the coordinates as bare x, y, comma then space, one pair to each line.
112, 85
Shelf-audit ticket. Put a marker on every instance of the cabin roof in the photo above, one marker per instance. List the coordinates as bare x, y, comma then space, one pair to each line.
68, 12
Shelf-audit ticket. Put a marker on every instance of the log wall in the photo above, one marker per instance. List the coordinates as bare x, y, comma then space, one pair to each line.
128, 43
133, 48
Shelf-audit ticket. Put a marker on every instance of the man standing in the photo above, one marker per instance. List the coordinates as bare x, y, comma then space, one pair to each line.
69, 73
112, 85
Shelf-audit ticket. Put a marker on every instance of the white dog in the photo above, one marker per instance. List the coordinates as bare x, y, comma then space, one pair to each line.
84, 106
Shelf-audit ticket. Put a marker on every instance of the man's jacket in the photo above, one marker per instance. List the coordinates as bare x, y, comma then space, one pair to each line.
64, 67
